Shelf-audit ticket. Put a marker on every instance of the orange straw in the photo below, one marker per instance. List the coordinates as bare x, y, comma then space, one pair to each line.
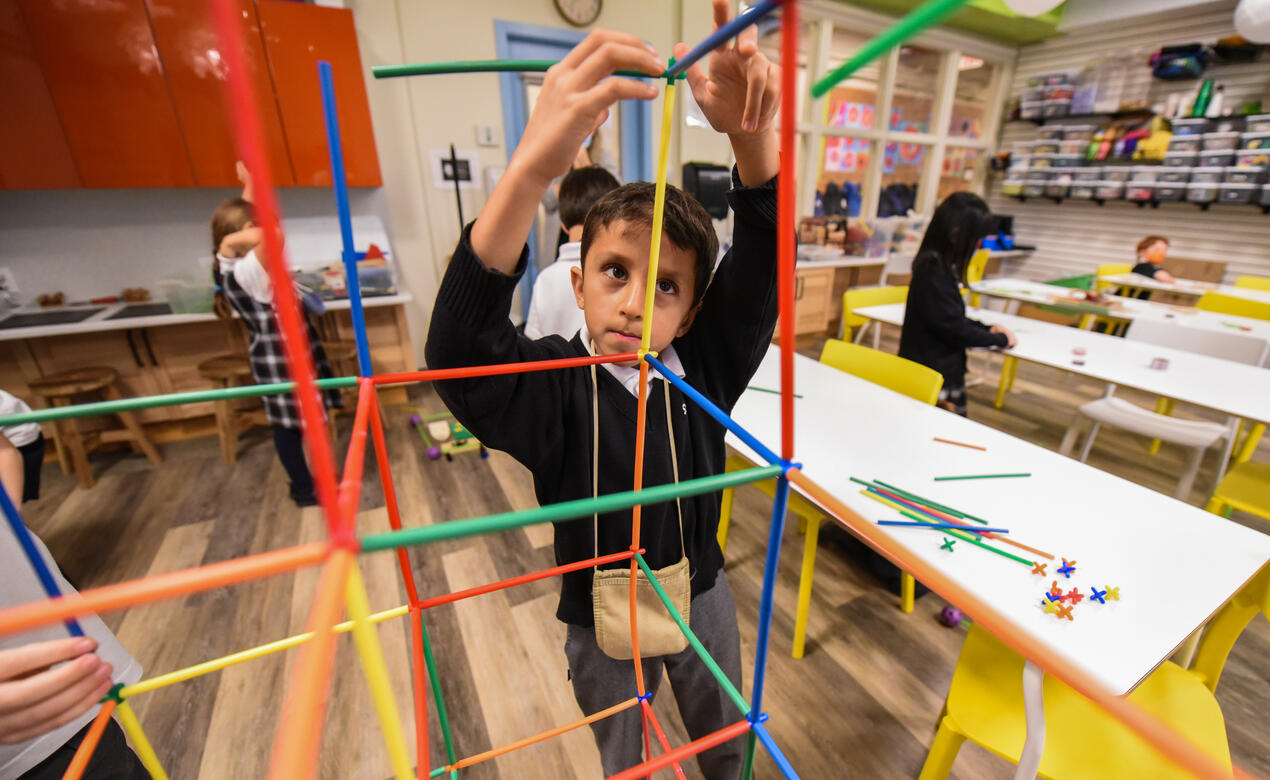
1168, 741
160, 586
957, 521
641, 422
680, 753
557, 731
962, 444
295, 750
84, 753
661, 735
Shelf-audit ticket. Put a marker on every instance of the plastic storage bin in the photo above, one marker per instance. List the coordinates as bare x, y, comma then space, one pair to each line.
1173, 175
1209, 175
1221, 141
1145, 173
1138, 190
1030, 109
1117, 172
1053, 108
1265, 196
1256, 140
1177, 159
1237, 193
1078, 132
1045, 146
1033, 189
1058, 188
1066, 160
1012, 187
1083, 189
1186, 143
1251, 158
1042, 160
1037, 174
1201, 192
1250, 175
1076, 146
1258, 123
186, 296
1109, 190
1051, 133
1091, 173
1170, 192
1032, 94
1218, 158
1196, 126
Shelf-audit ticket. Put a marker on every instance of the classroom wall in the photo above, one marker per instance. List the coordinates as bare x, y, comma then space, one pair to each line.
413, 115
1073, 237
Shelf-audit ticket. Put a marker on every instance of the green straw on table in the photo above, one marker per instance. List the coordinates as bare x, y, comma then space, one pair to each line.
983, 476
970, 538
918, 499
769, 390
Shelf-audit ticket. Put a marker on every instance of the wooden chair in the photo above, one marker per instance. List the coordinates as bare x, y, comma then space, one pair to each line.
228, 371
72, 444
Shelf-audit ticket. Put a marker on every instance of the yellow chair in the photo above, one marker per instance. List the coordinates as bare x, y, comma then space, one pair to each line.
1253, 282
1245, 487
891, 371
1109, 269
860, 297
1230, 304
974, 272
985, 705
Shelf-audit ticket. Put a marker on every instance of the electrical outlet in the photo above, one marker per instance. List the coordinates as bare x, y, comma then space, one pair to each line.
485, 135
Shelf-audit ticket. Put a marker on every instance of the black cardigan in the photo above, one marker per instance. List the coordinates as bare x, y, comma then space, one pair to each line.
936, 329
543, 419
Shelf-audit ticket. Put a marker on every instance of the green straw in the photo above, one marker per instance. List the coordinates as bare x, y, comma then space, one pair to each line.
769, 390
914, 497
971, 538
434, 680
726, 684
982, 476
480, 66
567, 510
927, 15
170, 399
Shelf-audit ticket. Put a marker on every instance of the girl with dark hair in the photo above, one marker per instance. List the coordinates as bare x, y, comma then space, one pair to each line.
936, 329
243, 286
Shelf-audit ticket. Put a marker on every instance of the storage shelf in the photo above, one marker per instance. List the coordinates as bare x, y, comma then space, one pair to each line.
1155, 204
1144, 112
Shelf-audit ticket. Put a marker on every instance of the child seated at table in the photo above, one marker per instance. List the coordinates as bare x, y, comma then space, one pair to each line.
1151, 253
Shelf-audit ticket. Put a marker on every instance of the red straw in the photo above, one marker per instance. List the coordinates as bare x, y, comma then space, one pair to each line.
785, 220
470, 372
661, 735
249, 138
521, 579
84, 753
680, 753
354, 464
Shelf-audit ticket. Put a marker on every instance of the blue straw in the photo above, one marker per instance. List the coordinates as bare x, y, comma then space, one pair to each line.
782, 763
765, 599
349, 255
976, 529
714, 411
33, 556
722, 36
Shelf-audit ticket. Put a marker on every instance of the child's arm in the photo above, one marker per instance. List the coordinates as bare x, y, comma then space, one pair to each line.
1162, 275
937, 292
12, 470
573, 102
244, 176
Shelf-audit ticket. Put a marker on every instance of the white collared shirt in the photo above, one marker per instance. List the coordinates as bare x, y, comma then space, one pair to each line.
629, 375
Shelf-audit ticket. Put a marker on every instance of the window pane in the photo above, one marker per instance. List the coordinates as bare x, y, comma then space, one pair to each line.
902, 166
769, 43
958, 175
845, 102
970, 105
842, 165
915, 83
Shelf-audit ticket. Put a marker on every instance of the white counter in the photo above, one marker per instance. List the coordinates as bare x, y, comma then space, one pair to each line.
100, 321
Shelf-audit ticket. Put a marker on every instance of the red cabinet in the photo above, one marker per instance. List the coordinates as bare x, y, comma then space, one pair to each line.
297, 36
187, 43
35, 153
107, 82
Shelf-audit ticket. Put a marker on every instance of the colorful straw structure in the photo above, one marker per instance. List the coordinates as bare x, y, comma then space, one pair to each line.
340, 586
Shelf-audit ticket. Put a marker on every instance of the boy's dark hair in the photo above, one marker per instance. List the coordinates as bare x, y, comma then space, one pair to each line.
580, 189
1149, 240
954, 233
684, 221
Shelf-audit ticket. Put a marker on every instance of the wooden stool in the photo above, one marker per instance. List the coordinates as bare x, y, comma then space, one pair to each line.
227, 371
73, 445
342, 355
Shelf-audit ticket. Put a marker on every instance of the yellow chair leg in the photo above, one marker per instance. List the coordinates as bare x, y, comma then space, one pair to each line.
1014, 371
907, 592
943, 752
725, 517
1249, 444
1007, 379
1162, 406
1216, 506
810, 540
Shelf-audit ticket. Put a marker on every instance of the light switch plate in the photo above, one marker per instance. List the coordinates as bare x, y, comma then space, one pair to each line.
485, 135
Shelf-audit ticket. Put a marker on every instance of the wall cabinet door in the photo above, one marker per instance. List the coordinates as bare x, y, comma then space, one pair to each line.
106, 79
297, 36
35, 155
188, 47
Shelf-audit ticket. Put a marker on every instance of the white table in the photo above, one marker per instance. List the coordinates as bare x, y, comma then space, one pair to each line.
1128, 309
1119, 533
1186, 287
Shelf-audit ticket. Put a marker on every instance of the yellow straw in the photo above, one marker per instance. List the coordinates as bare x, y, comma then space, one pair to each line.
216, 664
132, 726
659, 206
367, 641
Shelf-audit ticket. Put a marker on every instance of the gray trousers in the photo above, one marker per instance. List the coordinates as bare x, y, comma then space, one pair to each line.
600, 682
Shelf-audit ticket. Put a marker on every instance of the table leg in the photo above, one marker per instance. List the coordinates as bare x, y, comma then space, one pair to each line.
1034, 713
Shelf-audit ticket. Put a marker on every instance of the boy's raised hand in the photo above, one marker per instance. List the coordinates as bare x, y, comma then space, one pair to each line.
739, 94
574, 101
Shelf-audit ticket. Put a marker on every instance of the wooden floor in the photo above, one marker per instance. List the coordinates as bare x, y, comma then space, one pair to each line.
862, 703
